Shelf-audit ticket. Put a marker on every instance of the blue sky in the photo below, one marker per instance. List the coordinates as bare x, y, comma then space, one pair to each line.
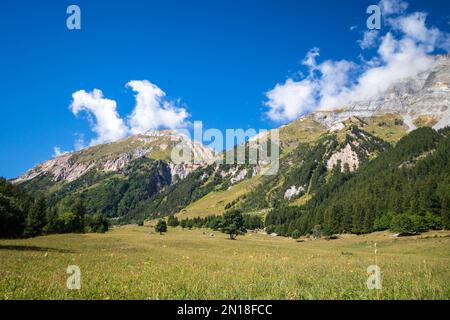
219, 58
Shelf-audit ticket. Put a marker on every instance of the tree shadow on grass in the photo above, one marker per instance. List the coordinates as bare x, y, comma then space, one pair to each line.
33, 248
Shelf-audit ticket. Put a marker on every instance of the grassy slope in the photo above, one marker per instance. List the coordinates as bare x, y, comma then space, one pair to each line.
133, 262
215, 202
386, 128
114, 149
303, 130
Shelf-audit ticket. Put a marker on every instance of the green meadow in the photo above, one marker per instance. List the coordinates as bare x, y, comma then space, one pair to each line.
136, 263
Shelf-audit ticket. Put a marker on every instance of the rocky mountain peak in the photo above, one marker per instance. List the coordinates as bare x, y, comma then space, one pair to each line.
115, 156
426, 95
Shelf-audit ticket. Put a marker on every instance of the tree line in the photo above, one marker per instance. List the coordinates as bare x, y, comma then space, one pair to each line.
24, 216
233, 223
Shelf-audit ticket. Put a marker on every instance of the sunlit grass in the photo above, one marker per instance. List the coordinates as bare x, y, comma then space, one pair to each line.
134, 262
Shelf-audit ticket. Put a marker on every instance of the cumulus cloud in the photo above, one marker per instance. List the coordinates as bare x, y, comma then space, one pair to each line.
405, 49
288, 100
106, 122
414, 27
152, 111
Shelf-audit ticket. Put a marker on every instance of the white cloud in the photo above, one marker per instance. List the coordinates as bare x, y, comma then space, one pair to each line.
152, 110
369, 39
107, 123
403, 51
311, 56
414, 27
288, 100
390, 7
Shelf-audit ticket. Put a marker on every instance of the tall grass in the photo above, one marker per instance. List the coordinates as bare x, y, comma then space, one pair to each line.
135, 263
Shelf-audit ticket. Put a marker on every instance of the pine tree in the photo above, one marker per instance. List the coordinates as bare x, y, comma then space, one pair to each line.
161, 226
79, 210
36, 219
172, 221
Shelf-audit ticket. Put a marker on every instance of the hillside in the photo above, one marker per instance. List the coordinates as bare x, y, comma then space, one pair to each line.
410, 181
134, 179
113, 178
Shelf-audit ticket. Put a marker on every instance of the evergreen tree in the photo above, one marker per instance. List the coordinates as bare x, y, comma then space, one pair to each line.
52, 222
161, 226
172, 221
233, 224
36, 219
79, 210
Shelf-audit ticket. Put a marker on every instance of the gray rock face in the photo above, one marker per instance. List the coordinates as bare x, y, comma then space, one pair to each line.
115, 156
428, 94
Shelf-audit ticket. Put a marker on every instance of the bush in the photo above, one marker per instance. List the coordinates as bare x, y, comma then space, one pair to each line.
434, 222
317, 232
295, 234
96, 223
215, 223
414, 223
253, 222
67, 222
383, 222
172, 221
419, 223
270, 229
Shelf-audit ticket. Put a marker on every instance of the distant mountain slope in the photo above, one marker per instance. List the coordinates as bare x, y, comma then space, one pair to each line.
134, 178
114, 178
411, 178
424, 99
115, 156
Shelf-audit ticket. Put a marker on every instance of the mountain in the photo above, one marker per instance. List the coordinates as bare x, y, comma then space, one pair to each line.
113, 178
134, 179
115, 156
420, 100
409, 183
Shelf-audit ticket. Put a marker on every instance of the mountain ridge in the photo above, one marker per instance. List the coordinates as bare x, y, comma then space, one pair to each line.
136, 177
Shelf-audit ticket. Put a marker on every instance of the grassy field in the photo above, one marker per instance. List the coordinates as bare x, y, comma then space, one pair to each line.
134, 262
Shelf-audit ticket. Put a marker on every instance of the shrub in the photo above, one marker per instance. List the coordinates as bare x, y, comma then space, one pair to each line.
402, 223
270, 229
317, 232
252, 222
414, 223
295, 234
172, 221
383, 222
434, 222
96, 223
